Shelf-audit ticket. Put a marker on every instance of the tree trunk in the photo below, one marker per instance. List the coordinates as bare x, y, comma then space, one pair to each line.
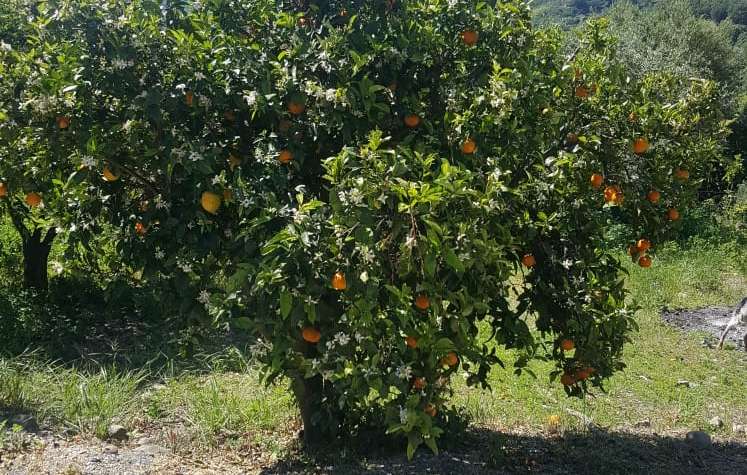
319, 426
35, 259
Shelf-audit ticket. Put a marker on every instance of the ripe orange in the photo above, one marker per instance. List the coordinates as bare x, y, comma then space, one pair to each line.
673, 214
469, 37
582, 92
285, 156
311, 335
567, 380
566, 344
411, 342
571, 138
296, 108
419, 383
644, 262
140, 229
640, 145
3, 190
653, 196
189, 98
422, 302
583, 374
469, 146
632, 250
451, 359
681, 174
63, 122
643, 245
412, 120
528, 260
210, 202
339, 282
596, 180
431, 410
109, 175
33, 199
613, 194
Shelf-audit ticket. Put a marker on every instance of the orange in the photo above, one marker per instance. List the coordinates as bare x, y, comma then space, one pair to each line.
339, 282
673, 214
296, 108
412, 120
583, 374
469, 146
643, 245
640, 145
469, 37
653, 196
596, 180
681, 174
567, 344
528, 260
411, 342
109, 175
571, 138
567, 380
285, 156
33, 199
422, 302
613, 194
644, 262
632, 250
419, 383
140, 229
311, 335
189, 98
63, 122
431, 410
451, 359
3, 190
210, 202
582, 92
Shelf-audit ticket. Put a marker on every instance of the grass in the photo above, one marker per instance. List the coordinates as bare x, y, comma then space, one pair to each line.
221, 403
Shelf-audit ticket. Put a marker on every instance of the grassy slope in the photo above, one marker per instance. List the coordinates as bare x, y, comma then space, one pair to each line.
658, 357
220, 406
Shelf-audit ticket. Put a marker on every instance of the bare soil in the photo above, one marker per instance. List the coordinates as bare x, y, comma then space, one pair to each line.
708, 320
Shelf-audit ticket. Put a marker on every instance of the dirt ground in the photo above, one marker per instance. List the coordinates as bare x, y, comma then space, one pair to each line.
709, 320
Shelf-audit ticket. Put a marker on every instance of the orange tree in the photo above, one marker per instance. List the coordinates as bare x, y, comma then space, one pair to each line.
384, 192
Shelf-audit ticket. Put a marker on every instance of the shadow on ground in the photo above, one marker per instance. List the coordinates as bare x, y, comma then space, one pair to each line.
484, 451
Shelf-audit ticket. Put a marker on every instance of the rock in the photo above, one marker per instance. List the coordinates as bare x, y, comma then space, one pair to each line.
111, 450
698, 439
643, 423
117, 432
24, 420
716, 422
683, 382
739, 428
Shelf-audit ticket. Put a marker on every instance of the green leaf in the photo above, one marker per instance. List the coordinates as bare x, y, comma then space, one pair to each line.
286, 303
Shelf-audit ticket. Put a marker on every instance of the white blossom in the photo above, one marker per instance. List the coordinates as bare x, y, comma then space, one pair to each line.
404, 372
342, 339
403, 415
364, 277
159, 253
204, 297
251, 98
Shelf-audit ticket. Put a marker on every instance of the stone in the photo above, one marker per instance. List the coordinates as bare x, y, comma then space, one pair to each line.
117, 432
111, 450
643, 423
716, 422
698, 439
26, 421
683, 382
